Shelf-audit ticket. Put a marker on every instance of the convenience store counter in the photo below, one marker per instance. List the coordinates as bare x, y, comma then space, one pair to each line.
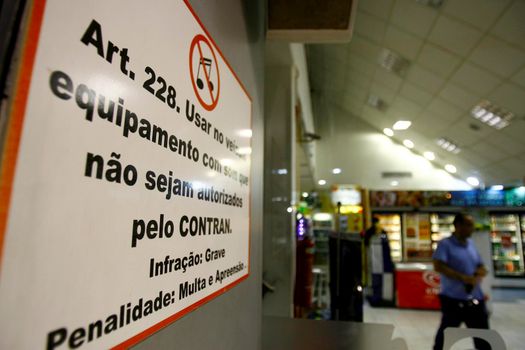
417, 286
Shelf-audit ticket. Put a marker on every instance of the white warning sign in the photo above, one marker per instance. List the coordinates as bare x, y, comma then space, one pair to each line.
125, 188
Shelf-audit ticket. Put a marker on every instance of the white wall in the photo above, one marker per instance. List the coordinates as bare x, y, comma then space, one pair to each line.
363, 153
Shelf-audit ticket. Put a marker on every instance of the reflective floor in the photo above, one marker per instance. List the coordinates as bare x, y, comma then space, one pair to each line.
418, 328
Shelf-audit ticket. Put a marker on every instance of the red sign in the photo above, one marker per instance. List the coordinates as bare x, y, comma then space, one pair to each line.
418, 289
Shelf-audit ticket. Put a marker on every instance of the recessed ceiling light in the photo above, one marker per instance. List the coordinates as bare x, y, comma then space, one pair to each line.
388, 132
497, 187
402, 125
394, 183
473, 181
305, 194
322, 182
450, 168
491, 114
408, 143
336, 171
429, 155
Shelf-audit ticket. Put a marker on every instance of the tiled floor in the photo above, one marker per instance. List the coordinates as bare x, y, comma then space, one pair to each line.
418, 327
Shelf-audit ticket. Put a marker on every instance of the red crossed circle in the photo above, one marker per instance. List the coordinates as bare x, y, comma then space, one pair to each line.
197, 41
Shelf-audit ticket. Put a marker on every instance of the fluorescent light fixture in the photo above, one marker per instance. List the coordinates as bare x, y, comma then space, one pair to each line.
451, 147
429, 155
321, 182
336, 171
305, 194
408, 143
448, 145
402, 125
388, 132
450, 168
282, 171
496, 187
491, 114
473, 181
394, 183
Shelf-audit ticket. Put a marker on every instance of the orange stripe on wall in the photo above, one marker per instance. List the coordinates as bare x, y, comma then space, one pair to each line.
16, 117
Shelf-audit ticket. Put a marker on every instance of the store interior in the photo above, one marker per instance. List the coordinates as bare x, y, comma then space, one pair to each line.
418, 117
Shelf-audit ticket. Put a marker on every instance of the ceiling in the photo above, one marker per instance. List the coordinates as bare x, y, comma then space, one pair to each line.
460, 53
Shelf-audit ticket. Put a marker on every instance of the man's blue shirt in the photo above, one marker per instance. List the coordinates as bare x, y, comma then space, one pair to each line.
463, 258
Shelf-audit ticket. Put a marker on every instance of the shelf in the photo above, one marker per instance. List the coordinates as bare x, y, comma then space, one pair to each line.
507, 258
392, 231
495, 229
505, 273
498, 240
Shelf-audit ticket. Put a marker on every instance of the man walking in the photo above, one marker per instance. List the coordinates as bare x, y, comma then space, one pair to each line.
459, 263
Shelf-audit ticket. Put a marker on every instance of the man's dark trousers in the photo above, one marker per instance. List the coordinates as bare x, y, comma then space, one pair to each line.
455, 312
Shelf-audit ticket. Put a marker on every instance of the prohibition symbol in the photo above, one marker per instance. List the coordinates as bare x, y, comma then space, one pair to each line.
204, 72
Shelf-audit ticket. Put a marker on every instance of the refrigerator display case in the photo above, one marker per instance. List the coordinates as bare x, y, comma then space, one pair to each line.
522, 220
507, 244
416, 237
441, 226
391, 223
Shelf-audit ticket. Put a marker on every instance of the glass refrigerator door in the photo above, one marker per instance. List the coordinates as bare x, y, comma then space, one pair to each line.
523, 235
391, 223
416, 237
441, 226
507, 249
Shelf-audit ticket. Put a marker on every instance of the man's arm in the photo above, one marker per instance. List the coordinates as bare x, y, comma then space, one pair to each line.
441, 267
481, 271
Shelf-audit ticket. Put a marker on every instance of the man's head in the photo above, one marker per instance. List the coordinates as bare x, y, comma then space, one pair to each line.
464, 225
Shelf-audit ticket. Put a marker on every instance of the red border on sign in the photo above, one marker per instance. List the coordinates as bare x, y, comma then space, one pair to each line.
12, 142
196, 42
16, 120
